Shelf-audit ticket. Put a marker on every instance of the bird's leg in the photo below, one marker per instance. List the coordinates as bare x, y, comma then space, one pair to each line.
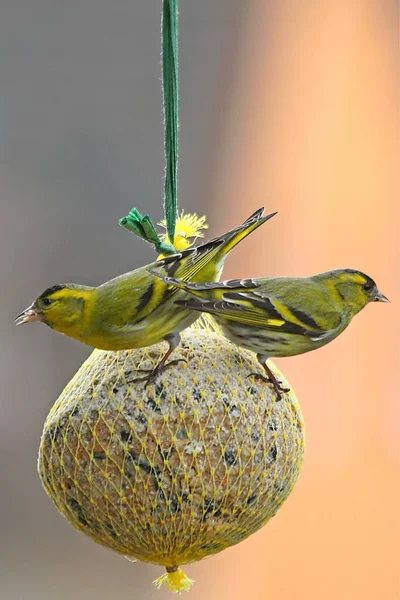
174, 341
270, 377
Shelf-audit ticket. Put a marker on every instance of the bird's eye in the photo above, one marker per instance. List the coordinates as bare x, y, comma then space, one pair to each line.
367, 287
47, 301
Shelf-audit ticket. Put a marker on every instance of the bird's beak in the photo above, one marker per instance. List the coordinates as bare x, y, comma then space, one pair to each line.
379, 297
30, 314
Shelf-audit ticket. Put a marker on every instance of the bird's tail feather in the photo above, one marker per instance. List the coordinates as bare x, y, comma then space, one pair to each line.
231, 238
200, 289
187, 264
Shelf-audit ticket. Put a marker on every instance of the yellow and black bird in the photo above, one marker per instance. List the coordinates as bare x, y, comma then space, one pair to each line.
136, 309
281, 316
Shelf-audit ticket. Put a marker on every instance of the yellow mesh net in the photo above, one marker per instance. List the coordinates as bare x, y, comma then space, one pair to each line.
176, 471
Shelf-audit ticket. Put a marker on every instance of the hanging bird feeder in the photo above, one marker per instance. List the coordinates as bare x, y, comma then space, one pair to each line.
191, 464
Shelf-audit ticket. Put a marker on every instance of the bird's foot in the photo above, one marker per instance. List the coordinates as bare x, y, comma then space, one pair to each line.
273, 381
152, 374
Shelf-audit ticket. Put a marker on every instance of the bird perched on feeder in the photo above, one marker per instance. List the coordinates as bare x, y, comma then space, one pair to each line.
281, 316
137, 309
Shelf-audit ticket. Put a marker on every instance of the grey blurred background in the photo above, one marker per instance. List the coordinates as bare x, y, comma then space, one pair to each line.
81, 142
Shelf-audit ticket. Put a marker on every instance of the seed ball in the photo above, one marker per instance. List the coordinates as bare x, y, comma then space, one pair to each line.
177, 470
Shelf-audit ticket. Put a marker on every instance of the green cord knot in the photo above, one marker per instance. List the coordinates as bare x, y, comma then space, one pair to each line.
142, 226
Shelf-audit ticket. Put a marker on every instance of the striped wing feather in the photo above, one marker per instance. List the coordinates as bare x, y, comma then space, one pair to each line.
256, 310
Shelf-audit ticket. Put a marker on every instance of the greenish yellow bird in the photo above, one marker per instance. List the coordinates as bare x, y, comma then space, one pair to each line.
281, 316
136, 309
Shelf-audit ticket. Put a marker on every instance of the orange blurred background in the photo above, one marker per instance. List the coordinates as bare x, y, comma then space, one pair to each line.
312, 130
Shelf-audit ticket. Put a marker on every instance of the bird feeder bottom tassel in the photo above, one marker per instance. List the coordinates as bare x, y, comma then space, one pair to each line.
177, 470
175, 580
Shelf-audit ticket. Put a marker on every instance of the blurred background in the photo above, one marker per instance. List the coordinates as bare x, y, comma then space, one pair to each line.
292, 105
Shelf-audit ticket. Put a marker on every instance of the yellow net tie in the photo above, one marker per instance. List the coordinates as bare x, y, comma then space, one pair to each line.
175, 580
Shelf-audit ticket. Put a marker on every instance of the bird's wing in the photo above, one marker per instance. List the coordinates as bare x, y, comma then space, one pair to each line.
261, 311
203, 262
188, 263
159, 291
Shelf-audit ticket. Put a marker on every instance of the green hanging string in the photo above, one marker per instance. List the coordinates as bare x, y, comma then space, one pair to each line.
135, 222
169, 36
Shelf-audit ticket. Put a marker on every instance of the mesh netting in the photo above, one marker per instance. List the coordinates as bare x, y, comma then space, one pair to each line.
178, 470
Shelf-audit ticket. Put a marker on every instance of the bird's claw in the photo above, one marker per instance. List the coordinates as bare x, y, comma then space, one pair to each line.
153, 373
274, 382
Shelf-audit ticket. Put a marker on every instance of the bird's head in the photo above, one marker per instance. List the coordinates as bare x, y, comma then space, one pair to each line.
355, 288
61, 307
